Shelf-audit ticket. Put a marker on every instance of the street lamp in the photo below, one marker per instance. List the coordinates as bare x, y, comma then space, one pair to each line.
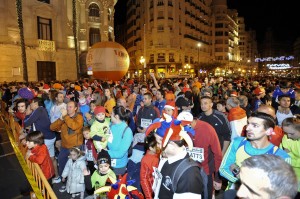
198, 45
142, 61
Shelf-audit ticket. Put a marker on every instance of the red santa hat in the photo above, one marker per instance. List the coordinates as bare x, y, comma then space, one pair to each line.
170, 104
233, 94
46, 88
258, 91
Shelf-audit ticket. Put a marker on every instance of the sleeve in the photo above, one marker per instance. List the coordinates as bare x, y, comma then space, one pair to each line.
131, 123
38, 158
74, 123
229, 159
94, 129
56, 126
226, 129
88, 182
66, 170
91, 121
145, 175
190, 184
123, 148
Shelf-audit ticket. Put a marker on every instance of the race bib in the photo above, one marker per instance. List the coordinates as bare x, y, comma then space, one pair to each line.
113, 162
89, 155
145, 122
157, 176
197, 154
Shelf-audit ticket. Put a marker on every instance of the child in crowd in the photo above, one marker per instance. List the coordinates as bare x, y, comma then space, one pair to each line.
90, 116
89, 149
83, 107
149, 161
74, 172
171, 109
103, 176
39, 154
100, 128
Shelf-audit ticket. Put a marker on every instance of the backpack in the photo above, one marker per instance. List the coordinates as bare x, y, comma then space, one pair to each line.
184, 166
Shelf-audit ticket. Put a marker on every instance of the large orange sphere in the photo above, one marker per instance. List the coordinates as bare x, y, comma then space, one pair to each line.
108, 60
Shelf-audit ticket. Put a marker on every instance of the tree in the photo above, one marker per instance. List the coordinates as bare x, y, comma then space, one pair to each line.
74, 7
22, 42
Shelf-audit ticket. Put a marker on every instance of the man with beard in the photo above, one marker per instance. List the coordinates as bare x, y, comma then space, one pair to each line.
260, 126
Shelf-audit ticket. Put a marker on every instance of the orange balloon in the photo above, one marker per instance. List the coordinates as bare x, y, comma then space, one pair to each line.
107, 60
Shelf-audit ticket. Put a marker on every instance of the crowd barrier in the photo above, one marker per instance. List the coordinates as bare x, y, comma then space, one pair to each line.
41, 187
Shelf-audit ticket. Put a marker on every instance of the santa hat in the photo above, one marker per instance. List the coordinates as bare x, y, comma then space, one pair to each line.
233, 94
85, 86
170, 105
186, 89
99, 109
185, 118
46, 88
258, 91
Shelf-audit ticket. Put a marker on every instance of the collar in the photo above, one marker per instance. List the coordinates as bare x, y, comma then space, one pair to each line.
177, 157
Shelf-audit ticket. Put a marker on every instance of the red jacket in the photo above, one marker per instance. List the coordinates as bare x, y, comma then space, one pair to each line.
206, 138
146, 179
41, 157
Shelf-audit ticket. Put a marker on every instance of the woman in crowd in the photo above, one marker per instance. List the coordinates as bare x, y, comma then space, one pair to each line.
119, 140
110, 101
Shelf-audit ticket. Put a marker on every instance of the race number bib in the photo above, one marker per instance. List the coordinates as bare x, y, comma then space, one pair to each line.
89, 155
196, 154
157, 176
145, 122
113, 162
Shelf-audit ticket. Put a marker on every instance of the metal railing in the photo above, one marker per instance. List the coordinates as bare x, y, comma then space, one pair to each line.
33, 172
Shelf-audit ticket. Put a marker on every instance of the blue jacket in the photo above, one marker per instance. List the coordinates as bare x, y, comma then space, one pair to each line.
160, 105
84, 109
48, 106
138, 100
41, 121
278, 92
118, 145
240, 149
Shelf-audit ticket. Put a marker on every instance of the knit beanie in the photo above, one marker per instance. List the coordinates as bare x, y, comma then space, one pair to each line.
103, 157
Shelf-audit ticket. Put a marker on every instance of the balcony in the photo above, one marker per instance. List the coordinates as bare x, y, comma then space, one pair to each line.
94, 19
46, 45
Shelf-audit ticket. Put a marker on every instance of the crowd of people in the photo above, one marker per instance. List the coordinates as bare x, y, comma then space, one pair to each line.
176, 138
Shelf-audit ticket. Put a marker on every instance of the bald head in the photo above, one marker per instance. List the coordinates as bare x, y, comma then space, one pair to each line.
267, 109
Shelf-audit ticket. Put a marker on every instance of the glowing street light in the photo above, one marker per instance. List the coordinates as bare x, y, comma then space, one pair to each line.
198, 46
142, 61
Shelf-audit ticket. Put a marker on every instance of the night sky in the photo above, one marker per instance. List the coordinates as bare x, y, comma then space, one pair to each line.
282, 16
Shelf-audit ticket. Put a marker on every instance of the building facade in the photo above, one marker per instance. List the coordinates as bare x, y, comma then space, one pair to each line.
49, 39
182, 37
